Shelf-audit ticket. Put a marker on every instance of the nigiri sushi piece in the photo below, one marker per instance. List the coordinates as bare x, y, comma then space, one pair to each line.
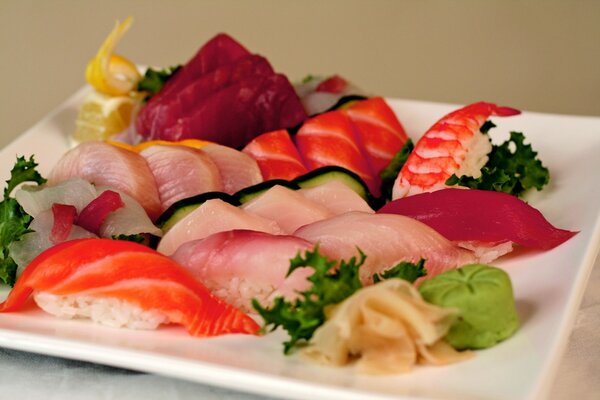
240, 265
276, 155
287, 207
453, 145
238, 170
337, 197
106, 165
211, 217
121, 283
181, 172
329, 139
386, 240
380, 131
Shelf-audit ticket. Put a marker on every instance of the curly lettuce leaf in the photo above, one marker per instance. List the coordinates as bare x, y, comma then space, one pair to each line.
404, 270
154, 80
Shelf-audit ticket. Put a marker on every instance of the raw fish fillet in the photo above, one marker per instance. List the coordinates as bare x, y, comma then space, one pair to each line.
181, 172
386, 239
329, 139
287, 207
238, 170
133, 273
337, 197
276, 155
213, 216
240, 265
380, 132
106, 165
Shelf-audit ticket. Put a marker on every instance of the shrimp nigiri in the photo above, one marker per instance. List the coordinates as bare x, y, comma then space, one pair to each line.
453, 145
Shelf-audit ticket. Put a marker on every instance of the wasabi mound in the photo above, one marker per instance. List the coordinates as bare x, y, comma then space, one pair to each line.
484, 297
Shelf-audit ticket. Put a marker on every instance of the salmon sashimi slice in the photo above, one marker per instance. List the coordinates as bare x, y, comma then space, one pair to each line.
238, 170
211, 217
287, 207
380, 131
386, 240
133, 273
329, 139
116, 168
276, 155
181, 172
240, 265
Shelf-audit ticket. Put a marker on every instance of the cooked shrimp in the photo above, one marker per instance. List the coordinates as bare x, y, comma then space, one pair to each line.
453, 145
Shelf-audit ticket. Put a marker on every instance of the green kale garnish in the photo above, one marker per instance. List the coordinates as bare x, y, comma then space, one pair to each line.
513, 168
388, 174
404, 270
154, 80
330, 285
14, 221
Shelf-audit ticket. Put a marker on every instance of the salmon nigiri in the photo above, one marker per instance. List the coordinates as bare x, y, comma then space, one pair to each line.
122, 283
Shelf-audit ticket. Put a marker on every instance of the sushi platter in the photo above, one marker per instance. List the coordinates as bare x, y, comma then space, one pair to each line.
548, 287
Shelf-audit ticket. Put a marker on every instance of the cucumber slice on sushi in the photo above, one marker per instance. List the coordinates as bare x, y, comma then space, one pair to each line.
249, 193
322, 175
177, 211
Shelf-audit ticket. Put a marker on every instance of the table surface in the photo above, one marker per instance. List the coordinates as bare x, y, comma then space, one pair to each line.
532, 55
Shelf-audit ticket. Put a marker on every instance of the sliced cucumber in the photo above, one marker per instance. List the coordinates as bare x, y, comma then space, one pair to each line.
249, 193
323, 175
182, 208
346, 101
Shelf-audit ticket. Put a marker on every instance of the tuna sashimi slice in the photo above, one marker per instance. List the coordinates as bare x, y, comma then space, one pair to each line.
480, 215
211, 217
238, 170
386, 240
181, 172
106, 165
135, 274
329, 139
240, 265
337, 197
287, 207
380, 132
276, 155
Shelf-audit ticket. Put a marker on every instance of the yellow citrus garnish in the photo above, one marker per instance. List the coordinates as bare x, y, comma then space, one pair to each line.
110, 73
102, 116
195, 143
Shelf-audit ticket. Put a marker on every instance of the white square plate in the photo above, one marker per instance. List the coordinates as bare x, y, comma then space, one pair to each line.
548, 289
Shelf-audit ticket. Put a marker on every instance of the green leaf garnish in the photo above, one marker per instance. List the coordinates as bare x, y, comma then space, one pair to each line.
154, 80
404, 270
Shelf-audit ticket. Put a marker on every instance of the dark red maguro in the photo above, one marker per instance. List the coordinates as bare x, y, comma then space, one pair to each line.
223, 94
463, 214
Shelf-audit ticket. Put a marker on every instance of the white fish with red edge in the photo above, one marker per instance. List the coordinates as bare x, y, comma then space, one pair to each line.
211, 217
386, 240
337, 197
287, 207
107, 165
181, 172
240, 265
238, 170
76, 192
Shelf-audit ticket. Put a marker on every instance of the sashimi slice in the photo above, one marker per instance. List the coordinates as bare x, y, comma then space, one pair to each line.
287, 207
237, 170
241, 265
211, 217
103, 164
337, 197
386, 240
329, 139
276, 155
181, 172
135, 274
480, 215
380, 132
76, 192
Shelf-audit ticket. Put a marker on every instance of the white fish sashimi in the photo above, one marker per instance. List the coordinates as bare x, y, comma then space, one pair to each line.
240, 265
76, 192
211, 217
386, 240
106, 165
181, 172
287, 207
337, 197
238, 170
